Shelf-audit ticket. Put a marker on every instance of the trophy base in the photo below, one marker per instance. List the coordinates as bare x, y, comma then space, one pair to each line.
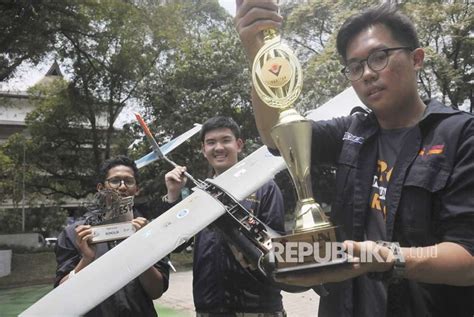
307, 251
113, 231
311, 268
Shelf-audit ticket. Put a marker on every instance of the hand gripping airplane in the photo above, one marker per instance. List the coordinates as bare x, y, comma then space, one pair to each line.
208, 202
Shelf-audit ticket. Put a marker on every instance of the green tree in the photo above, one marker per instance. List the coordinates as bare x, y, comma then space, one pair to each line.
444, 29
206, 74
310, 28
110, 64
7, 172
73, 127
59, 152
31, 29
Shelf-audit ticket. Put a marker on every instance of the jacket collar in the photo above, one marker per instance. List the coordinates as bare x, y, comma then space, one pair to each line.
434, 107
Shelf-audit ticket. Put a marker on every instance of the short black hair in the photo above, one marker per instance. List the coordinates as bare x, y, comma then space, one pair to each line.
116, 161
220, 122
401, 27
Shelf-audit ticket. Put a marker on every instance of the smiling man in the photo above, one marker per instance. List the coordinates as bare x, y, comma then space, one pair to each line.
405, 173
75, 251
222, 284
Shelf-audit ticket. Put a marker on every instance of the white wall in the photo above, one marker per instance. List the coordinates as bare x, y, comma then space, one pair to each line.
5, 262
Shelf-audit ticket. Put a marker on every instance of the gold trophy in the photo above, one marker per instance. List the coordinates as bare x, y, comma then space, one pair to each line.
278, 80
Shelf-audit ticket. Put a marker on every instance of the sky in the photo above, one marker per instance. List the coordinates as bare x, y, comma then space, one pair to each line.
27, 75
229, 5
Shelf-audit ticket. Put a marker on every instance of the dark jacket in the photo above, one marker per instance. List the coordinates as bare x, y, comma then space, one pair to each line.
430, 199
220, 284
131, 300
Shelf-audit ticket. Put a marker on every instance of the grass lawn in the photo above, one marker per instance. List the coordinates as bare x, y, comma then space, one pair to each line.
168, 312
15, 300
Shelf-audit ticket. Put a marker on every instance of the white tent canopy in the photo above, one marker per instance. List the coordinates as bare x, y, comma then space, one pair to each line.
339, 106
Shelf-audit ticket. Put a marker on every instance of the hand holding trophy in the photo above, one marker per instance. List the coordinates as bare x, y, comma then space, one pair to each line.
277, 78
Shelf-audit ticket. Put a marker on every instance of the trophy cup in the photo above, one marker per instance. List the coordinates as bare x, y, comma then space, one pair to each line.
278, 80
110, 216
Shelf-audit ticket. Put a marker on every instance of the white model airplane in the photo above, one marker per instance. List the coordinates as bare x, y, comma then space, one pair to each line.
129, 259
158, 152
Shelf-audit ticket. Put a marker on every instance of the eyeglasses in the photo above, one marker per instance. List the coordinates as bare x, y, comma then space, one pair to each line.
116, 182
376, 61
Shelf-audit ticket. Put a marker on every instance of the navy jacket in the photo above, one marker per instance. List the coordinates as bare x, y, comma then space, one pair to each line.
131, 300
220, 284
430, 199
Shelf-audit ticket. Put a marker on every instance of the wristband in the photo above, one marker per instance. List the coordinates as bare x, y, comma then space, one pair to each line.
397, 272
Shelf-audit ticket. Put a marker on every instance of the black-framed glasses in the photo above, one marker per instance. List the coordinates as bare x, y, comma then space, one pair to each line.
116, 182
376, 61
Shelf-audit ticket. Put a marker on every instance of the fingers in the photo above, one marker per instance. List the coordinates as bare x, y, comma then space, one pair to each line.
252, 17
176, 175
84, 237
256, 16
175, 181
357, 248
238, 4
354, 248
84, 233
257, 9
139, 223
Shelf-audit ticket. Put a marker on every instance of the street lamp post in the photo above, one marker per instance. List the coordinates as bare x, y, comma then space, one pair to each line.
23, 191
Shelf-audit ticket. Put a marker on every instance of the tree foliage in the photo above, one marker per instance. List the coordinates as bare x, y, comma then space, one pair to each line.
47, 221
179, 64
73, 127
7, 172
205, 75
444, 29
31, 29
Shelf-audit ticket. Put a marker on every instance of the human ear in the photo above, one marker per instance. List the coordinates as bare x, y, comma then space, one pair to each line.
240, 144
137, 191
418, 58
202, 150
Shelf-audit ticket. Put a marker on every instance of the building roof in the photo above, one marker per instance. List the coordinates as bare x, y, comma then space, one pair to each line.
51, 75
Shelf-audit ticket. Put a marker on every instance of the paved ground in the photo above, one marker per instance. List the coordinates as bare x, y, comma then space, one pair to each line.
179, 296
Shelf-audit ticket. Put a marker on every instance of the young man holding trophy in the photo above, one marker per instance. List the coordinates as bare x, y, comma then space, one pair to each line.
106, 223
223, 282
405, 173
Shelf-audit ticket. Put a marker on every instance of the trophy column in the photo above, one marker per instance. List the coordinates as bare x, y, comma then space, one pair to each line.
278, 80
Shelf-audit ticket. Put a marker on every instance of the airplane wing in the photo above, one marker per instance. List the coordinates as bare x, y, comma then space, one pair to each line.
134, 255
168, 147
